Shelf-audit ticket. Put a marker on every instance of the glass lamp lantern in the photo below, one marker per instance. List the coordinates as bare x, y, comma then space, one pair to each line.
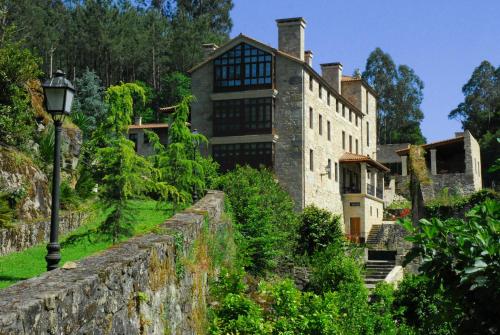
59, 93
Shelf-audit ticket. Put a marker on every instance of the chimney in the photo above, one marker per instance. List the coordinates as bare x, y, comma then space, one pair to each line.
332, 73
459, 134
208, 49
308, 57
291, 36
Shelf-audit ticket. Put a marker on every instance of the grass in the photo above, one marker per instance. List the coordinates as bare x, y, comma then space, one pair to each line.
84, 241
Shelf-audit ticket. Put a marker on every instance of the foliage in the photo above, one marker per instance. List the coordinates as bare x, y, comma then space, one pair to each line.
6, 212
120, 40
447, 206
69, 198
263, 214
18, 67
318, 228
46, 145
426, 306
480, 113
180, 165
175, 86
89, 109
399, 97
463, 256
332, 267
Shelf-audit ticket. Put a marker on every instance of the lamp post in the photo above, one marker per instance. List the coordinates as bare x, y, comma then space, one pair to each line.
195, 191
59, 93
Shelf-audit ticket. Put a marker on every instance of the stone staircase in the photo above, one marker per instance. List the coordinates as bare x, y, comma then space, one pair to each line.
376, 271
375, 236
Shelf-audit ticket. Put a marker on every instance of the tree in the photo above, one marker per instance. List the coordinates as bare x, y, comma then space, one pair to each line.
18, 68
400, 94
480, 113
89, 109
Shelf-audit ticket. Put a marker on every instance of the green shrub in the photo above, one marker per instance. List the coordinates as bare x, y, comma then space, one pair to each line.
69, 197
463, 256
6, 213
318, 228
332, 268
264, 215
426, 307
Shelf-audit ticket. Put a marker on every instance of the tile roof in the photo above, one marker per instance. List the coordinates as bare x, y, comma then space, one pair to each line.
434, 144
349, 157
148, 126
349, 78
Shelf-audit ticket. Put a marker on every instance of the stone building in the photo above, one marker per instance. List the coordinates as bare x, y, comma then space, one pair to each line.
136, 133
454, 164
261, 105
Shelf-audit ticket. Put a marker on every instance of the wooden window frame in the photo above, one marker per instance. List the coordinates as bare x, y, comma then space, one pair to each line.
235, 63
243, 116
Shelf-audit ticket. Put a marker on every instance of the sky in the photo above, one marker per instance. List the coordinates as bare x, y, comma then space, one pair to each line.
442, 40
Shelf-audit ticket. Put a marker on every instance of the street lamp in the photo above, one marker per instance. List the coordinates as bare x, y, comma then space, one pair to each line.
59, 93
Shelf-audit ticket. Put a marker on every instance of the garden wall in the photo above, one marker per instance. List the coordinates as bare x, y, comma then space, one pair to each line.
142, 286
26, 235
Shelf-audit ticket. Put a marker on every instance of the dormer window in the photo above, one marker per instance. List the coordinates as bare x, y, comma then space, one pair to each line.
243, 67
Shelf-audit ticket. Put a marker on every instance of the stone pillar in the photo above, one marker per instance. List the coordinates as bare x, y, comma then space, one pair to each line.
433, 162
375, 182
404, 165
363, 178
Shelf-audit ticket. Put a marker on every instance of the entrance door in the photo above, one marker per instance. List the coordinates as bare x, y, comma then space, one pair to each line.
355, 229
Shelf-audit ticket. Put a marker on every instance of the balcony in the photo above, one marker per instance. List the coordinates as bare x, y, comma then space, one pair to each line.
380, 193
351, 189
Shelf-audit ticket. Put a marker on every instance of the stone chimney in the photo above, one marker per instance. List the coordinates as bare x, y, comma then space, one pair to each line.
332, 73
308, 57
291, 36
208, 49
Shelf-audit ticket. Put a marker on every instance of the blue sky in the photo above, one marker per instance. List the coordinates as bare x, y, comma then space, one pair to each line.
442, 40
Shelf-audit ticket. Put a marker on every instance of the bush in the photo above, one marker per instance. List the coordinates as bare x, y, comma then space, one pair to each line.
332, 268
264, 215
318, 228
69, 197
426, 307
6, 213
462, 256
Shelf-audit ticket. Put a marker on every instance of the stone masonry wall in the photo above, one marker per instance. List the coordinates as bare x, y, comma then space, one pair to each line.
26, 235
138, 287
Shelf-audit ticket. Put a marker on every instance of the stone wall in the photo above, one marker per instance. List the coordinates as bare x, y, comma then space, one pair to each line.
142, 286
26, 235
457, 183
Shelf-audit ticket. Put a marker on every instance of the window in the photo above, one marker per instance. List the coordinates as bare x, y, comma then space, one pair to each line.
253, 154
242, 116
350, 143
343, 111
336, 171
356, 120
356, 146
371, 211
367, 134
311, 117
328, 99
328, 134
367, 97
350, 115
329, 169
377, 211
311, 160
343, 139
337, 106
320, 126
133, 138
311, 82
320, 92
243, 67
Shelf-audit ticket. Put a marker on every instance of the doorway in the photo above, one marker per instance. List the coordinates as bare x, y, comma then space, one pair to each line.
355, 229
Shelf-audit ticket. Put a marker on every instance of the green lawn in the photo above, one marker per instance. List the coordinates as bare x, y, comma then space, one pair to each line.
82, 242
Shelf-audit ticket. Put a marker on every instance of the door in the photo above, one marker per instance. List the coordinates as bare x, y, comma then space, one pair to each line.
355, 229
